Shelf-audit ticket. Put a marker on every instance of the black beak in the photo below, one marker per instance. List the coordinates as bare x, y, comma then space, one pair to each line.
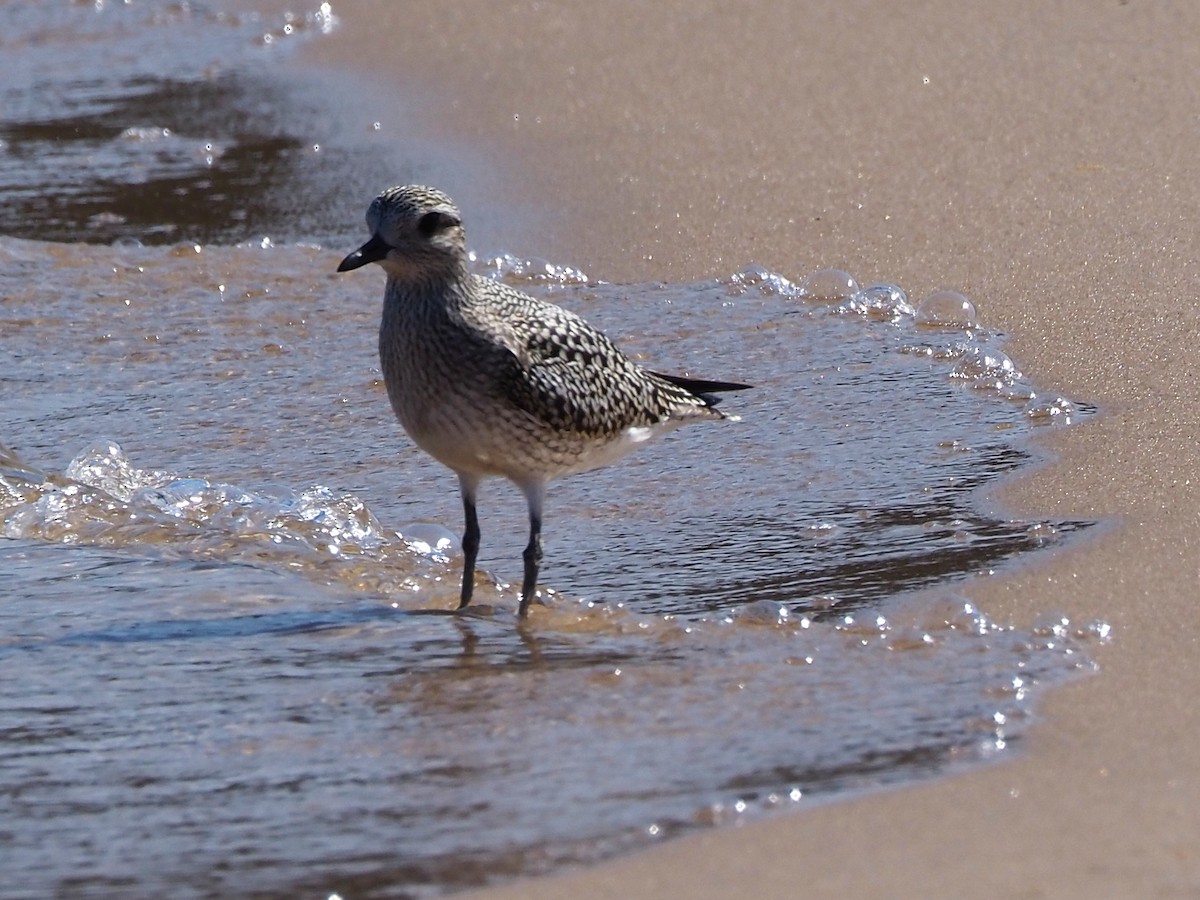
372, 251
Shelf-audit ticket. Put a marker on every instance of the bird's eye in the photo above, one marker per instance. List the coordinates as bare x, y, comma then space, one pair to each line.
433, 222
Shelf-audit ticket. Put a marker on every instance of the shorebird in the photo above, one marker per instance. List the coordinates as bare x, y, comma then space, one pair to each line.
490, 381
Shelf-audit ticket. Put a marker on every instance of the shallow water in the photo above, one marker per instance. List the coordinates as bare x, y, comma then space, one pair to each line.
219, 674
220, 669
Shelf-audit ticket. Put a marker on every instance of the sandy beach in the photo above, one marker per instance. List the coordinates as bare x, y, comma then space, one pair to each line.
1041, 159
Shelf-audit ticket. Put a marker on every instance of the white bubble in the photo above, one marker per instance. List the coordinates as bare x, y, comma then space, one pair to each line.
506, 267
883, 302
430, 539
761, 278
947, 308
983, 364
1050, 411
763, 612
827, 286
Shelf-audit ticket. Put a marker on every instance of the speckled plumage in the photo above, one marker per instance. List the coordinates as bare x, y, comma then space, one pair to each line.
493, 382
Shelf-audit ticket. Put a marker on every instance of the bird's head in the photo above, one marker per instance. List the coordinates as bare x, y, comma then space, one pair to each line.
416, 232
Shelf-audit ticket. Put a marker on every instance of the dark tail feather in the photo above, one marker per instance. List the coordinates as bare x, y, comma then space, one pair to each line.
705, 390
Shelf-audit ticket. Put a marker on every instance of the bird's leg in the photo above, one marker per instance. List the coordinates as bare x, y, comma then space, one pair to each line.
535, 494
533, 559
470, 540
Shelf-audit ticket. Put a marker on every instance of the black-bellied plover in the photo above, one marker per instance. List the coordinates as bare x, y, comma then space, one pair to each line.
492, 382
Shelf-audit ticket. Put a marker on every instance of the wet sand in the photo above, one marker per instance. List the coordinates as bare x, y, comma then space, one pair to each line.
1041, 159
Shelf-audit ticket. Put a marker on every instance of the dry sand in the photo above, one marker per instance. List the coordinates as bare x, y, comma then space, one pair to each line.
1041, 157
